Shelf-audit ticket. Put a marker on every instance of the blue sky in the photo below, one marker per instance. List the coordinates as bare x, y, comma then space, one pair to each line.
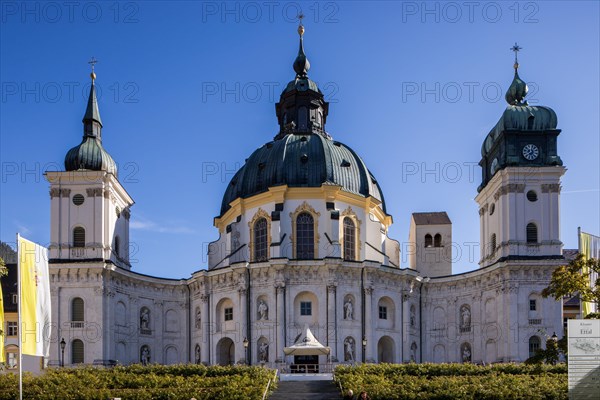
188, 92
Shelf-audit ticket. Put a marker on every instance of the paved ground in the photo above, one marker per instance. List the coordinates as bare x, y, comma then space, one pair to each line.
306, 390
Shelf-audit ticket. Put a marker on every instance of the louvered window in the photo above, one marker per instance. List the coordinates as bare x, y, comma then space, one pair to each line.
532, 233
77, 313
79, 237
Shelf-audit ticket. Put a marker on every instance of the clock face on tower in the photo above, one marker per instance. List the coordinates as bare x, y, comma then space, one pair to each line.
530, 152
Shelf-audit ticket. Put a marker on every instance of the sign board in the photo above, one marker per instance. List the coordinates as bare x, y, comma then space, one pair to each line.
584, 358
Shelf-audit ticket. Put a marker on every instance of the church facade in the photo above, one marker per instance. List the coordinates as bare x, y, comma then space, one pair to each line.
303, 242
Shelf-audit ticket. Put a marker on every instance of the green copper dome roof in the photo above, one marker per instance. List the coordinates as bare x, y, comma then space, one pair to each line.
302, 160
89, 154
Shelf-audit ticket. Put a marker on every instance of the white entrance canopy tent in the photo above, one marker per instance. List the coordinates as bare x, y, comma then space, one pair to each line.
306, 345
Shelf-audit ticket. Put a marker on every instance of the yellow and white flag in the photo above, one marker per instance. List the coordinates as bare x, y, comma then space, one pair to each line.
2, 328
34, 285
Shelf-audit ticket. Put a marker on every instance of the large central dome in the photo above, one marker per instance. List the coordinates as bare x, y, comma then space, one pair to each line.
302, 160
302, 154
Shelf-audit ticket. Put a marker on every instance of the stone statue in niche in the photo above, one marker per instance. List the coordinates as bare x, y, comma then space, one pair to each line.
349, 349
263, 352
145, 318
466, 353
413, 317
198, 318
145, 355
348, 309
263, 310
413, 352
465, 316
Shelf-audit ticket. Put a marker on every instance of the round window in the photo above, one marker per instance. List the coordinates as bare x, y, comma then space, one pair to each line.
78, 199
531, 196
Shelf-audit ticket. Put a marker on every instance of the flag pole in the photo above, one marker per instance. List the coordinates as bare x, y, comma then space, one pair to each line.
20, 327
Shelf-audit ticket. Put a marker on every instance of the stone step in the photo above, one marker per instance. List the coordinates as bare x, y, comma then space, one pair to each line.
305, 390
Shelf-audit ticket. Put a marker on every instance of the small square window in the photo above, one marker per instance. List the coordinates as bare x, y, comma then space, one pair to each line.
532, 305
229, 314
12, 328
382, 312
305, 308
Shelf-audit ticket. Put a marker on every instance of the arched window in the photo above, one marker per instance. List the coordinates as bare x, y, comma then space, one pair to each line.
117, 246
428, 240
79, 237
349, 239
534, 345
532, 233
77, 309
77, 352
437, 240
260, 240
305, 236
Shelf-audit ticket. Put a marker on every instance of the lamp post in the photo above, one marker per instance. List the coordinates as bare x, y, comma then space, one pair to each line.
553, 356
246, 343
364, 344
63, 344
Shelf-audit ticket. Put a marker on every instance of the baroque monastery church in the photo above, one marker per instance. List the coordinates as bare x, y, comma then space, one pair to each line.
302, 242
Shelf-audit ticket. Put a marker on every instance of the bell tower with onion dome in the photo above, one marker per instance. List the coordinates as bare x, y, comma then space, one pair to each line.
520, 189
89, 206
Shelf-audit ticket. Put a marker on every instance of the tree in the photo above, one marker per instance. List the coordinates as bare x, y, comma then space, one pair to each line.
574, 278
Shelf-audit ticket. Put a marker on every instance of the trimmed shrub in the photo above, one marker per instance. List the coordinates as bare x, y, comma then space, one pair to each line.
136, 382
455, 381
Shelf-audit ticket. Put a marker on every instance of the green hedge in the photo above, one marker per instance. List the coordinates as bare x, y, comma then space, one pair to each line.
136, 382
455, 381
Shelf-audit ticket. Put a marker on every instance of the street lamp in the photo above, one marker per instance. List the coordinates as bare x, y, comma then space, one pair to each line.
63, 344
246, 343
364, 344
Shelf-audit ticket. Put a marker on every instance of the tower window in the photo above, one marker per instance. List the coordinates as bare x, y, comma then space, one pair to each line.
305, 237
493, 243
116, 246
305, 308
229, 314
302, 118
78, 199
532, 196
428, 240
260, 240
79, 237
349, 239
382, 312
532, 305
532, 233
437, 240
77, 309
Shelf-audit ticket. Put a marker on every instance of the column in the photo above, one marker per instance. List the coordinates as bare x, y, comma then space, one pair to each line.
368, 325
331, 317
280, 324
204, 346
405, 327
242, 322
